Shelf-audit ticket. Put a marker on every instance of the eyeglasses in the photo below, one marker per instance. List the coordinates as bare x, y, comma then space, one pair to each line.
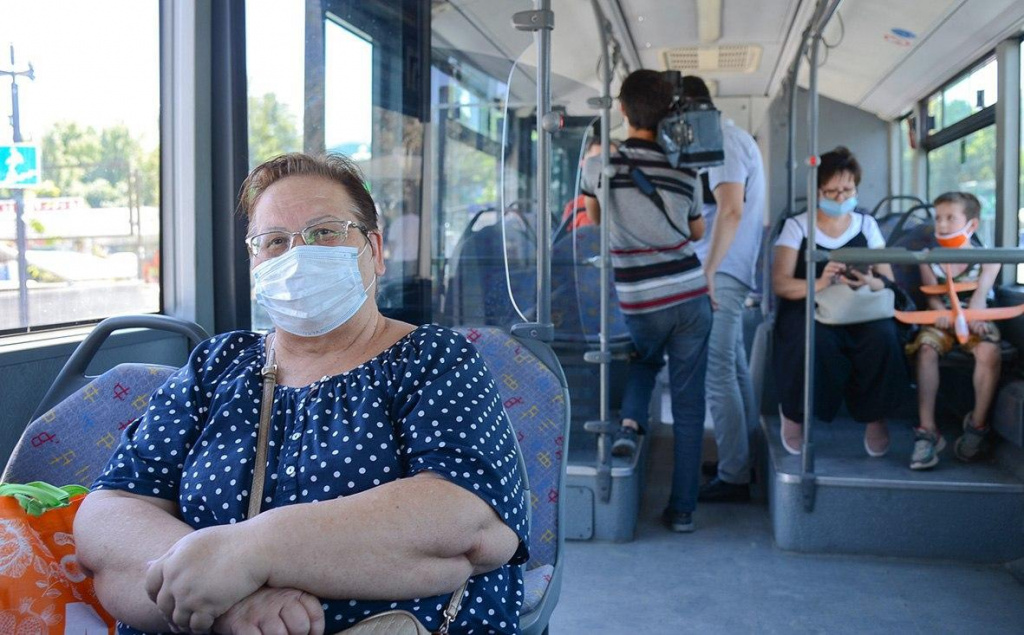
332, 233
835, 193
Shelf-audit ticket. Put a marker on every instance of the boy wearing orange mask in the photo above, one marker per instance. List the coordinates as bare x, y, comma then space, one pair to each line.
957, 215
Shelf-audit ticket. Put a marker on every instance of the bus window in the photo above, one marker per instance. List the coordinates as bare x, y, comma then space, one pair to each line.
81, 162
968, 164
338, 78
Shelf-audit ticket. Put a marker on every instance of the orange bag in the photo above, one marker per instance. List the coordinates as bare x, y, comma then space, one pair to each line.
42, 587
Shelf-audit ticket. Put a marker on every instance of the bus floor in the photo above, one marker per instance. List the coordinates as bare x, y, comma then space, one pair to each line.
729, 577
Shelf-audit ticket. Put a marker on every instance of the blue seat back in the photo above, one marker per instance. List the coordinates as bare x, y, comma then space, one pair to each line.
535, 396
476, 291
576, 289
72, 441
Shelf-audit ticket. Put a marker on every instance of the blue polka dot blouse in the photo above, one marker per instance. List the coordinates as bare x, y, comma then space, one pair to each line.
426, 403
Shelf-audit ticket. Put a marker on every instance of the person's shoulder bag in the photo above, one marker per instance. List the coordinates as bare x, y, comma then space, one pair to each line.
387, 623
842, 304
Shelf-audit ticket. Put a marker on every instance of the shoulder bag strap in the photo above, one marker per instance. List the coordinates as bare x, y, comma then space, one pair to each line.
452, 609
259, 470
647, 189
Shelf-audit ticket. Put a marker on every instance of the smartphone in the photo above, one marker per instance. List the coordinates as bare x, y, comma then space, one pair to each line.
860, 268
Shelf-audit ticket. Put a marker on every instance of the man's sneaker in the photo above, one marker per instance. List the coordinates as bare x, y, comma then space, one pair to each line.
927, 446
719, 491
681, 522
973, 444
625, 441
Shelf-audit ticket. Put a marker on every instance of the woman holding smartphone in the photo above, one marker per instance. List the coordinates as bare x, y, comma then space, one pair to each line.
862, 362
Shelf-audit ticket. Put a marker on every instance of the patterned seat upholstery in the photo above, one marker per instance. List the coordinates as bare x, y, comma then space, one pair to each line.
72, 442
535, 395
576, 290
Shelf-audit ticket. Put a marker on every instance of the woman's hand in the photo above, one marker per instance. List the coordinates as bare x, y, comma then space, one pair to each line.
268, 610
857, 279
203, 575
830, 274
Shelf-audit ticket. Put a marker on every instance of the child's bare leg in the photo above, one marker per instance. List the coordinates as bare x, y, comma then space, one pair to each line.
987, 364
928, 386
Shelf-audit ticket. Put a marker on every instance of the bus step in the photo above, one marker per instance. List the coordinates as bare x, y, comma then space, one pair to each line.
878, 506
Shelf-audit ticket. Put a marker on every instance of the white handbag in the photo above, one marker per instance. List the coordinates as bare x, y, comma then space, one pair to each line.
842, 304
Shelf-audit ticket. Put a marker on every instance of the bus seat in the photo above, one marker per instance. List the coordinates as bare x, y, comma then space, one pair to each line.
915, 233
476, 290
915, 238
80, 419
888, 216
576, 290
534, 392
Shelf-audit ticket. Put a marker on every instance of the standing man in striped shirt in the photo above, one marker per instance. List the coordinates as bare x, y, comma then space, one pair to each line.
654, 212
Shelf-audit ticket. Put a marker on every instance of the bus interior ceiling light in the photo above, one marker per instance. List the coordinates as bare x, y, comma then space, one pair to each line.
709, 20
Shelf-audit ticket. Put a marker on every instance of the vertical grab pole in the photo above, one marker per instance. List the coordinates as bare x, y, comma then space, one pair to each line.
606, 103
791, 133
543, 37
822, 14
541, 21
807, 456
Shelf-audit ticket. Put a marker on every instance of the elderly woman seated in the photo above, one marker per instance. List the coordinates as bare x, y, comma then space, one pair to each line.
391, 467
862, 362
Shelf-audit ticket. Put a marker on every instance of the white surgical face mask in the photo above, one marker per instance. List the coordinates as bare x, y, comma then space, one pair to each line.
311, 290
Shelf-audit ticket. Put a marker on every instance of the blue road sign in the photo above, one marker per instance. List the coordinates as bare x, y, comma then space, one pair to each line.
19, 165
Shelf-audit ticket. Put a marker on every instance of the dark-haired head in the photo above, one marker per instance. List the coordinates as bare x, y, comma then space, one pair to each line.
695, 88
968, 202
333, 167
836, 162
646, 97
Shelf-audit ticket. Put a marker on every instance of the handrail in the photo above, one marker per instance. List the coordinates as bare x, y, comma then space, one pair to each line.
896, 197
897, 231
939, 255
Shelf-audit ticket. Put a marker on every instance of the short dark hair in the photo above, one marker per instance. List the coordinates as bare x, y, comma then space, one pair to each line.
968, 202
646, 97
333, 167
695, 88
835, 162
595, 134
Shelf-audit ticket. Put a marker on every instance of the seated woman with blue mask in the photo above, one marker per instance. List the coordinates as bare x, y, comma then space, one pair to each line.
391, 467
862, 362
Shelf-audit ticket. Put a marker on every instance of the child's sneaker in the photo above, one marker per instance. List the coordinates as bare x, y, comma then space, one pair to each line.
973, 444
927, 446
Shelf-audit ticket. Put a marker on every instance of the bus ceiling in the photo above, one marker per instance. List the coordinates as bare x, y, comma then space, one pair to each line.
878, 56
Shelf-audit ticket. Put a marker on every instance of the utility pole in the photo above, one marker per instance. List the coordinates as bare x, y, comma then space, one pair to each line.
19, 194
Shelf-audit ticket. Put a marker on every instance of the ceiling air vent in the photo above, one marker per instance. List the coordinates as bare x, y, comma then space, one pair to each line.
733, 58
